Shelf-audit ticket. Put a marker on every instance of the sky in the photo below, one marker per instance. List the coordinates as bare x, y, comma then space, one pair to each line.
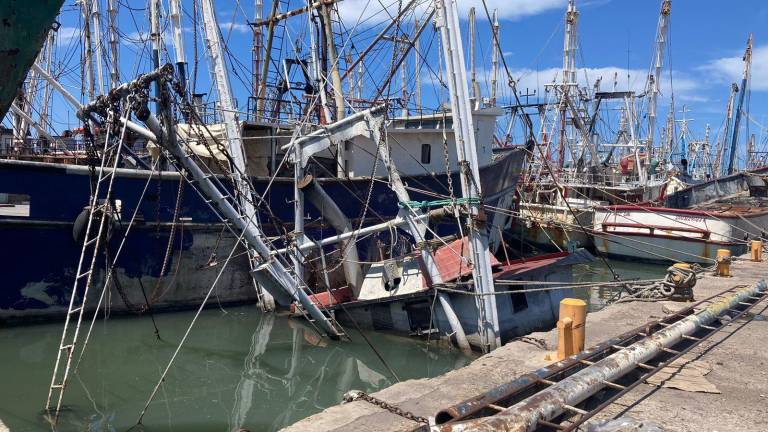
616, 39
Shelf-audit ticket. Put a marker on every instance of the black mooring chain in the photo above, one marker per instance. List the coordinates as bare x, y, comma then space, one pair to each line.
354, 395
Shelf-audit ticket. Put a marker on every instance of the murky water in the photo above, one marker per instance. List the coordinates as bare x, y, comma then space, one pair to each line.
239, 368
597, 271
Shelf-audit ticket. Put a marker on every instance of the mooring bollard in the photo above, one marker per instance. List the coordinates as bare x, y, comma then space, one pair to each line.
757, 250
570, 327
723, 263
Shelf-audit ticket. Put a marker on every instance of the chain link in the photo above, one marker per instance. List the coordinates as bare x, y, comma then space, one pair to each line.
447, 161
354, 395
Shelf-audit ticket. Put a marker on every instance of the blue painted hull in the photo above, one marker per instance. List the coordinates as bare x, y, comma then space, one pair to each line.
39, 252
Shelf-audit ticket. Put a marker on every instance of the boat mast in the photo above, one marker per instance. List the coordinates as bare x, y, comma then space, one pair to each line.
157, 43
569, 72
495, 57
723, 142
226, 105
96, 25
44, 116
114, 75
655, 78
472, 55
466, 151
257, 48
90, 83
178, 41
737, 120
416, 65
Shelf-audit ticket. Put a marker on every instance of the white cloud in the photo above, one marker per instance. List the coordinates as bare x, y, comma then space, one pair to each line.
731, 69
236, 27
66, 34
371, 12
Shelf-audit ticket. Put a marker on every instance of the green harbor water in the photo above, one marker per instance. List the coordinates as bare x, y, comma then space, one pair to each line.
238, 369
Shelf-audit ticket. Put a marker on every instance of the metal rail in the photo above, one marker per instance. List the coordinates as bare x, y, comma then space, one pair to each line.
468, 414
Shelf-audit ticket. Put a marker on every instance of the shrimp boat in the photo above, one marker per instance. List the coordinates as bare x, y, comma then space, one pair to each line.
722, 213
581, 163
681, 235
329, 201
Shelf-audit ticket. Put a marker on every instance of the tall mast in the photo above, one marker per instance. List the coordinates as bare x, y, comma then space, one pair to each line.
570, 44
90, 83
722, 149
737, 120
224, 90
333, 59
569, 72
156, 38
96, 28
114, 74
472, 55
466, 151
44, 118
495, 56
178, 41
416, 65
231, 125
655, 78
257, 46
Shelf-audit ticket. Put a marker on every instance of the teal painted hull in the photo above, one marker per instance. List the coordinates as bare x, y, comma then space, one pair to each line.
23, 29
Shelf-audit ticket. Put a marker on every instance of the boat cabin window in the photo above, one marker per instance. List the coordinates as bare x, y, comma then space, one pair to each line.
426, 153
14, 204
519, 302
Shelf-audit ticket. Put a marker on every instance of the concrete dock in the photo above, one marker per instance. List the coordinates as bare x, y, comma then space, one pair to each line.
736, 356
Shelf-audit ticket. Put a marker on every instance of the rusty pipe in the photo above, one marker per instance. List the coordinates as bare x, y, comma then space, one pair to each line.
339, 221
551, 402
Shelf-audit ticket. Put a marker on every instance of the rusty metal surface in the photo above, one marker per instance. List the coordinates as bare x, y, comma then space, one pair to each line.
557, 398
471, 407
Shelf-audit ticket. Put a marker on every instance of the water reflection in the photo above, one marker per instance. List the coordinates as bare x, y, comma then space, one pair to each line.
239, 369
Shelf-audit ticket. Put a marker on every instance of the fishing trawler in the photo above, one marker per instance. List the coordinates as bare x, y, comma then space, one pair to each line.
586, 166
725, 212
175, 197
175, 241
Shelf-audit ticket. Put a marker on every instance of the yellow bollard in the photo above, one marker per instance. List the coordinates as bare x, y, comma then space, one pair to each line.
723, 262
571, 326
757, 250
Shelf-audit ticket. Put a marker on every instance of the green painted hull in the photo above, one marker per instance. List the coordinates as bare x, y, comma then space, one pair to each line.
24, 25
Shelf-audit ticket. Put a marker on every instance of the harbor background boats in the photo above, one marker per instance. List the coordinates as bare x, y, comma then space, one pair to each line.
638, 175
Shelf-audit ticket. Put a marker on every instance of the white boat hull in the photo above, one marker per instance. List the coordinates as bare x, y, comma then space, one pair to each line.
663, 234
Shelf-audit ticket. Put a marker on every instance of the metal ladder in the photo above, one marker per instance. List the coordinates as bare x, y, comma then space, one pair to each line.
101, 208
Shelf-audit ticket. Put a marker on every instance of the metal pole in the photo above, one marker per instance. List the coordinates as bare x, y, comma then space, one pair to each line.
495, 56
230, 117
655, 78
156, 38
333, 214
114, 76
178, 41
737, 120
466, 150
96, 23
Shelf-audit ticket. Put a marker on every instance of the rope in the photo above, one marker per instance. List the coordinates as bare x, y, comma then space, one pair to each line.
189, 330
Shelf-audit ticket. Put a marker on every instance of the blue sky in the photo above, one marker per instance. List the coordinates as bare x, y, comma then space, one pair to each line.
616, 37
